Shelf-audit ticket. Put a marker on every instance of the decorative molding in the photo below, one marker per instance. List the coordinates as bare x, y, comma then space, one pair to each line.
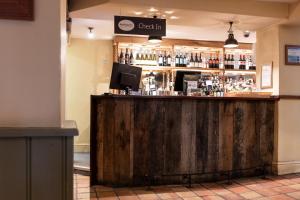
17, 9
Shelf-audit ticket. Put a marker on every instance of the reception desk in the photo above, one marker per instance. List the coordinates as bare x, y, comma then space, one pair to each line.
166, 139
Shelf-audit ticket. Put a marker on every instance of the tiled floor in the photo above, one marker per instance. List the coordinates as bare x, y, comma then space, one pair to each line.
274, 188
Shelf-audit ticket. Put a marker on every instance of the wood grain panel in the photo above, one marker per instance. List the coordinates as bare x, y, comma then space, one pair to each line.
16, 9
163, 136
172, 128
225, 135
123, 121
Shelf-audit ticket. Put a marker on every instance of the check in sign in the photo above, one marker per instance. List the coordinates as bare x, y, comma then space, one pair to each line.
140, 26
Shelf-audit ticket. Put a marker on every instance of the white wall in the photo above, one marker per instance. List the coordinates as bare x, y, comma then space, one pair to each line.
89, 64
30, 67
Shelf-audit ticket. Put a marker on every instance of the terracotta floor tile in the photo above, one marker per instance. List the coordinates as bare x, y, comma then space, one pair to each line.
232, 197
128, 198
202, 191
106, 194
240, 189
284, 189
213, 197
280, 197
267, 192
192, 198
250, 195
273, 188
296, 187
295, 195
186, 194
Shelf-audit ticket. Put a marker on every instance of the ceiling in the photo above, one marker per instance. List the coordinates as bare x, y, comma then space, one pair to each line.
188, 24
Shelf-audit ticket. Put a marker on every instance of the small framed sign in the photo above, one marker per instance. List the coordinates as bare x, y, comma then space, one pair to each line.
292, 54
267, 76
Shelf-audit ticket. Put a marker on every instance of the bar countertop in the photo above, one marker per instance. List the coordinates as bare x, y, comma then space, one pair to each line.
250, 97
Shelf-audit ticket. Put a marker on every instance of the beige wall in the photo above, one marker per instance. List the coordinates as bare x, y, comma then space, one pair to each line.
267, 51
30, 67
89, 64
271, 43
288, 110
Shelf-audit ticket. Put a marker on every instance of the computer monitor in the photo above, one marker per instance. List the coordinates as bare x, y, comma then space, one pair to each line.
125, 77
179, 86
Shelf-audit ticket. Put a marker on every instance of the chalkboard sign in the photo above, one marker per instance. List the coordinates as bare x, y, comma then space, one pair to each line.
140, 26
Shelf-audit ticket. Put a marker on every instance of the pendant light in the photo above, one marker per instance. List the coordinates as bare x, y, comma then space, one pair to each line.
91, 33
153, 38
231, 42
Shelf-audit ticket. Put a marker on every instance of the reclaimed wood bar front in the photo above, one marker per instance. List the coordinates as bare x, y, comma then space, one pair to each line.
163, 139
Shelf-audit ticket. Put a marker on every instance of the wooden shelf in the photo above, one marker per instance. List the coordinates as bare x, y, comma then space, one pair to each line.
168, 68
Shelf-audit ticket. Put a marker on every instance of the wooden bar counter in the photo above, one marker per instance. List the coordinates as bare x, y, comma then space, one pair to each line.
164, 138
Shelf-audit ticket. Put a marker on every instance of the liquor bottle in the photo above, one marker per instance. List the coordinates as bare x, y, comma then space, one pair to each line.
126, 57
225, 61
122, 58
241, 62
196, 61
131, 58
232, 61
244, 62
210, 62
146, 57
184, 60
201, 62
169, 59
160, 60
176, 60
192, 63
142, 57
165, 59
217, 62
180, 60
214, 63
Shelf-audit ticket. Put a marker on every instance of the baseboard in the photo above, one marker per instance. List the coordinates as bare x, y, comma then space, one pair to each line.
286, 167
81, 148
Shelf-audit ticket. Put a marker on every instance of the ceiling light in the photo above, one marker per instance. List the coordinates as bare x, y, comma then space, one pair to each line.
91, 33
174, 17
153, 10
169, 12
231, 42
154, 39
138, 13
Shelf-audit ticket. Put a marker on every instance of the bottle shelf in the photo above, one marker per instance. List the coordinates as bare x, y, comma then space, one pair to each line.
172, 68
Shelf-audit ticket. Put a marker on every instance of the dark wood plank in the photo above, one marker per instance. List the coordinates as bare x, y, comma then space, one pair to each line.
123, 116
246, 142
188, 137
201, 135
225, 135
173, 117
108, 140
213, 137
265, 130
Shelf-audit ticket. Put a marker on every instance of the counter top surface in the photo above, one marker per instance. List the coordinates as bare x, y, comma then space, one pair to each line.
255, 97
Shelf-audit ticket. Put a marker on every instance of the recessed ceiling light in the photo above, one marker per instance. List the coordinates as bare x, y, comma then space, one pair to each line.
169, 12
153, 10
138, 13
174, 17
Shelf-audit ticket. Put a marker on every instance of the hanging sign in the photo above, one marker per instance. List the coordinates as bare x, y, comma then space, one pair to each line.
140, 26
